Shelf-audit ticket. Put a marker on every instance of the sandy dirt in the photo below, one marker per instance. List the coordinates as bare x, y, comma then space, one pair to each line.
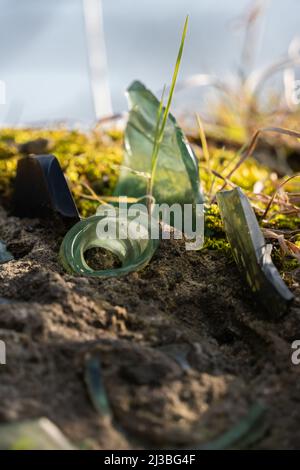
184, 349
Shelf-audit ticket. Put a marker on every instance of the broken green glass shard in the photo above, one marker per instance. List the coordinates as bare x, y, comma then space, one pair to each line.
251, 253
97, 391
248, 430
95, 385
39, 434
176, 181
5, 255
41, 190
94, 232
177, 174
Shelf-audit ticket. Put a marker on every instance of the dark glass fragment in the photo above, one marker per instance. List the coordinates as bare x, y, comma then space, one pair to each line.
41, 190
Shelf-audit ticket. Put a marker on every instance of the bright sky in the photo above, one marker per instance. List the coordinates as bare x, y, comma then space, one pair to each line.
43, 53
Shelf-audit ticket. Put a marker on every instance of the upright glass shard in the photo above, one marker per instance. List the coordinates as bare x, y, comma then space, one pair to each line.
251, 253
177, 174
41, 190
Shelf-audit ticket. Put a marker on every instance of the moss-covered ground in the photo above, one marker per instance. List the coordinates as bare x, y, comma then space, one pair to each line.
91, 162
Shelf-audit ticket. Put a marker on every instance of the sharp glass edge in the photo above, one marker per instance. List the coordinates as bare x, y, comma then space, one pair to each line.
251, 253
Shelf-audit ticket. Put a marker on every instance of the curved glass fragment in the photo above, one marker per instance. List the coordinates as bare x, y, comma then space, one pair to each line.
246, 432
115, 232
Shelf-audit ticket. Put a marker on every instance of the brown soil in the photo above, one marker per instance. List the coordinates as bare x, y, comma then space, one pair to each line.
184, 349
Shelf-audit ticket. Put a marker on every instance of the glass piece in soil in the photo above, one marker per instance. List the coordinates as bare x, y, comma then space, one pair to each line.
176, 181
41, 190
5, 255
95, 385
252, 254
244, 434
177, 173
39, 434
133, 253
249, 430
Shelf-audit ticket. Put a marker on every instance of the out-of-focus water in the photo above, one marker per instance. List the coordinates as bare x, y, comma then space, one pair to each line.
43, 49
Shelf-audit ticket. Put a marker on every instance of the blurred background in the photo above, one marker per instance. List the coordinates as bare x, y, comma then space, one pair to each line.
71, 60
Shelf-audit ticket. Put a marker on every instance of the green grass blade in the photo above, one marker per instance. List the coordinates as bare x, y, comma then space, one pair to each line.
175, 75
162, 115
